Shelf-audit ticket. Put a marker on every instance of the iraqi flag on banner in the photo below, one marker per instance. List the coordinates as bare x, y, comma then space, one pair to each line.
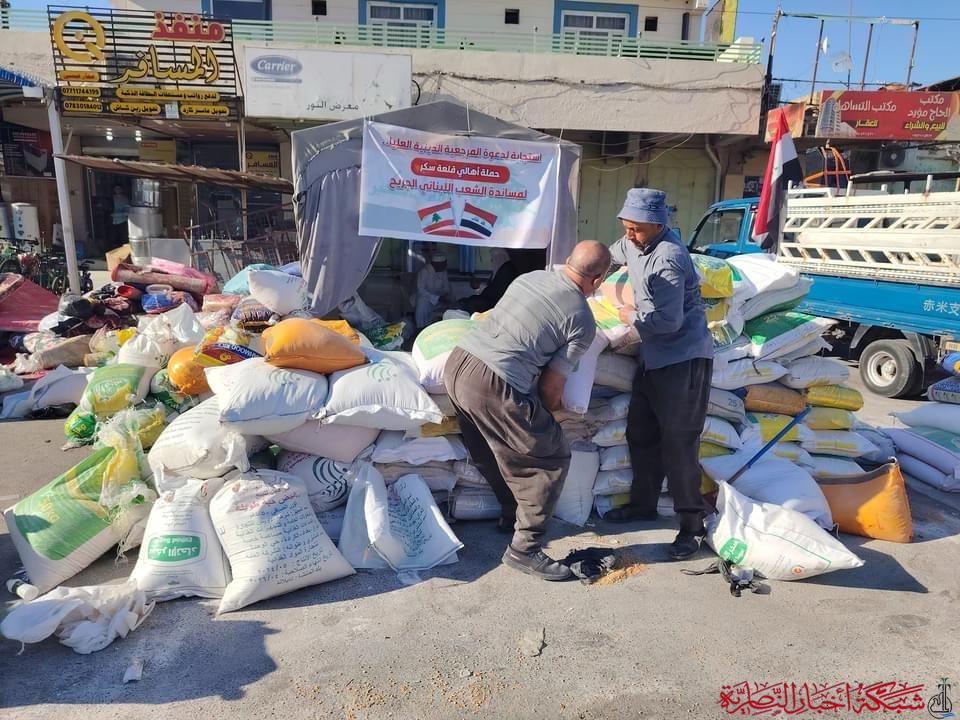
437, 219
477, 220
783, 167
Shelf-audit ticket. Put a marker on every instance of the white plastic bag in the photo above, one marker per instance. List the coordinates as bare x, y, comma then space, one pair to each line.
86, 619
469, 475
781, 544
196, 444
822, 466
810, 371
279, 292
439, 476
781, 482
576, 498
844, 443
613, 482
612, 433
615, 371
779, 333
579, 385
943, 416
763, 273
740, 373
474, 503
400, 526
616, 408
272, 538
720, 432
342, 443
180, 554
393, 447
382, 394
433, 346
615, 458
257, 398
325, 479
814, 347
934, 447
772, 300
724, 404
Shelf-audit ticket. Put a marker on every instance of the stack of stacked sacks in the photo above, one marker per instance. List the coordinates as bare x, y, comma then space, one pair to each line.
766, 371
452, 471
242, 526
205, 393
929, 448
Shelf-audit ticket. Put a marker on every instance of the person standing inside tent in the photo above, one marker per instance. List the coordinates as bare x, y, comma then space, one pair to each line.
506, 377
433, 288
672, 384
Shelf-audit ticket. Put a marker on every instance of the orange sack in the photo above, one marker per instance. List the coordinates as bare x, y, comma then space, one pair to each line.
873, 504
341, 327
186, 373
307, 345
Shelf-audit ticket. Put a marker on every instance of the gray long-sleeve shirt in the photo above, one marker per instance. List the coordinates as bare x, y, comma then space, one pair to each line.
666, 291
542, 320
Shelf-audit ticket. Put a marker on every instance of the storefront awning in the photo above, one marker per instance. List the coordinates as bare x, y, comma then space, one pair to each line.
183, 173
17, 84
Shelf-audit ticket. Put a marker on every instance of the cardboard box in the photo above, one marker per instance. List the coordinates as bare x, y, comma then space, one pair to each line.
117, 256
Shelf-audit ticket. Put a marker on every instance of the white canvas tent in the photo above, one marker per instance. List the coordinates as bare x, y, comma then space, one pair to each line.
326, 178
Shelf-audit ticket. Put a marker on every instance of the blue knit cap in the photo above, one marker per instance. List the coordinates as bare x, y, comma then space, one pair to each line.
645, 205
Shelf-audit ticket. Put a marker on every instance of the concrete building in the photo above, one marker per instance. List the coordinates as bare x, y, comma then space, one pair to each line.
634, 83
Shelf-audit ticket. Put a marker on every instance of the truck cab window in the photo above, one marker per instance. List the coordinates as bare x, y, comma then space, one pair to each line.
721, 226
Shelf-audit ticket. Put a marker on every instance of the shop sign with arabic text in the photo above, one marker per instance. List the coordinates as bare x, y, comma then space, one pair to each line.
147, 64
889, 115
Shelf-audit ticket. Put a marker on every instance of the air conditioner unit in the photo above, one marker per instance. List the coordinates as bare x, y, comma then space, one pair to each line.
895, 157
618, 144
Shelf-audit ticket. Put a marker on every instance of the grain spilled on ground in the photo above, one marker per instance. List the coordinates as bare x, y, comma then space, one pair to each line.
628, 565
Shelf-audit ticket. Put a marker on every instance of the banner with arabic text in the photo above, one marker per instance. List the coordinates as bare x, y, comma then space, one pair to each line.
457, 189
889, 115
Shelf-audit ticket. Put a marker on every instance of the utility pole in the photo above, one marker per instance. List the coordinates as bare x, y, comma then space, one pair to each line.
866, 57
816, 61
913, 50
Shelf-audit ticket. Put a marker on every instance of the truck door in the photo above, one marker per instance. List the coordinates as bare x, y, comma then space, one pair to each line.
719, 232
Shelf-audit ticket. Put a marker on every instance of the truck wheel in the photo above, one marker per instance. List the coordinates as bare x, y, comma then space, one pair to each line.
888, 368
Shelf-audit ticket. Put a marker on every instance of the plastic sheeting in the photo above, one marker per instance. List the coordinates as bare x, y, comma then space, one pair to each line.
23, 304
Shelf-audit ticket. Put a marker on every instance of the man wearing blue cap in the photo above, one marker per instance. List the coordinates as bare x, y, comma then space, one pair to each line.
672, 384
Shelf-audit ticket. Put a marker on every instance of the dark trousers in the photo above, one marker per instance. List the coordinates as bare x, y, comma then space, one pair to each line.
515, 443
664, 423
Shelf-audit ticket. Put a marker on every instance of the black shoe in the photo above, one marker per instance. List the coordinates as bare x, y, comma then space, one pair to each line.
685, 545
537, 564
505, 525
629, 513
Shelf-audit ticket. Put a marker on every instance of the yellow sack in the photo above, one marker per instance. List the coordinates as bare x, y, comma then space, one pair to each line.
716, 276
772, 423
716, 309
873, 505
773, 398
307, 345
447, 426
185, 371
341, 327
707, 485
835, 396
826, 418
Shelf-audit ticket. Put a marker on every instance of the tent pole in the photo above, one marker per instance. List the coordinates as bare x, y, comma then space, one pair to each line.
242, 146
63, 194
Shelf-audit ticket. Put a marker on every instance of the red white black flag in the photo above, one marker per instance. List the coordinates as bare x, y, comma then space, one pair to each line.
783, 167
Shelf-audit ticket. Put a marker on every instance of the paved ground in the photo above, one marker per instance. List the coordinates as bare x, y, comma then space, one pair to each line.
657, 644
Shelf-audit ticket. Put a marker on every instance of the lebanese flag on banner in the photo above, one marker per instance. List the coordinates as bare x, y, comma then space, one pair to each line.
436, 219
783, 167
477, 220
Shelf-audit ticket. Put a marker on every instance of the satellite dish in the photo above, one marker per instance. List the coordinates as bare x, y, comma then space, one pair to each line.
825, 45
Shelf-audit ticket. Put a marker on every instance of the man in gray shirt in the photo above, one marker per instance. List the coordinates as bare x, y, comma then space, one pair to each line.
672, 384
506, 377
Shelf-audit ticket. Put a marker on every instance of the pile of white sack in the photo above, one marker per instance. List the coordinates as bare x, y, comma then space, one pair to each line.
767, 370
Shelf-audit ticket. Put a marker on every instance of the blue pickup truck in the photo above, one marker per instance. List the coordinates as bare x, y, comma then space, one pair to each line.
886, 266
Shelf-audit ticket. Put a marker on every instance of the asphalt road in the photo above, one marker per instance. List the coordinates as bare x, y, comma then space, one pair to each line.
657, 644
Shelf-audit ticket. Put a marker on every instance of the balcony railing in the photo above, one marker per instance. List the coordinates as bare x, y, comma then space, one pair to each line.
426, 37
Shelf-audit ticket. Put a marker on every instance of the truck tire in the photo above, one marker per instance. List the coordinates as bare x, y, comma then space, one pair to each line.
889, 368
